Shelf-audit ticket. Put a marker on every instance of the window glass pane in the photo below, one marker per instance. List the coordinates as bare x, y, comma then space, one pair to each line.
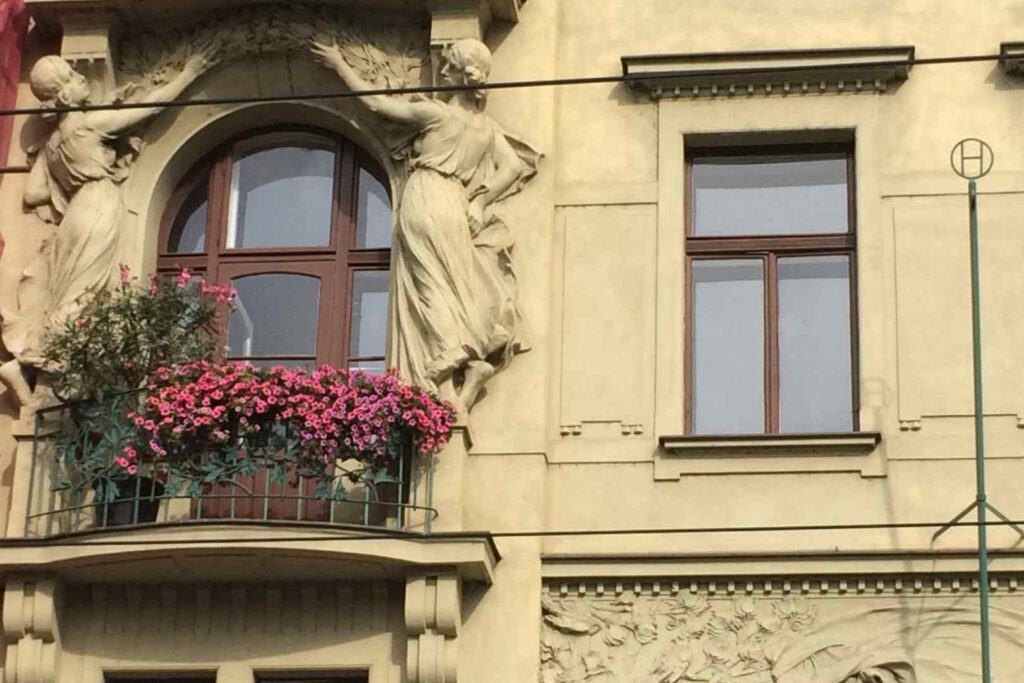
815, 391
303, 363
375, 367
769, 196
728, 347
188, 230
274, 314
373, 214
281, 197
369, 313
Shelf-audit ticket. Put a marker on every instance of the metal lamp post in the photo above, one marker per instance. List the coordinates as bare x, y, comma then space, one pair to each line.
971, 159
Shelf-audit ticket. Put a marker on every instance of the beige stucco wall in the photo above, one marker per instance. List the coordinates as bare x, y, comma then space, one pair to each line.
567, 437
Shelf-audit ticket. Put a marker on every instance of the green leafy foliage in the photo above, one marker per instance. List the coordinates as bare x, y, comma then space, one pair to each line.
122, 335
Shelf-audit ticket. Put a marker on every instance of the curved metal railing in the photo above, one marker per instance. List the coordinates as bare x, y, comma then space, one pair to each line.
402, 502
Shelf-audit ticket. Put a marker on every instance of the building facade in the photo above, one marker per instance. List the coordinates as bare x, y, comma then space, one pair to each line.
725, 302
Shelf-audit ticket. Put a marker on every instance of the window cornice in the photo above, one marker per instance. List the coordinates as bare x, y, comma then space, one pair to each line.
721, 74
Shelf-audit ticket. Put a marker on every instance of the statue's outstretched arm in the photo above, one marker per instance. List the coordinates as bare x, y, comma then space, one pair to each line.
388, 106
116, 121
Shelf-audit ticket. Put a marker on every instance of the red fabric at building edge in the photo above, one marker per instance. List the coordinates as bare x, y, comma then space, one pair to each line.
13, 21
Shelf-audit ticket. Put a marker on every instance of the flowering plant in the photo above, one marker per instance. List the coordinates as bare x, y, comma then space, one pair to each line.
204, 422
124, 334
101, 358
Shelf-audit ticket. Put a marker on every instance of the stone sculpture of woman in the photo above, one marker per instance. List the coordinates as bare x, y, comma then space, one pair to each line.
75, 182
454, 311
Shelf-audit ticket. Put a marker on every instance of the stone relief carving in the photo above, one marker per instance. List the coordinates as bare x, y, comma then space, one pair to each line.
687, 638
75, 183
383, 53
455, 306
665, 640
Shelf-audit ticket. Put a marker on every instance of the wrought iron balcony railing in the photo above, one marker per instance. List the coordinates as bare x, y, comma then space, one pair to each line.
62, 500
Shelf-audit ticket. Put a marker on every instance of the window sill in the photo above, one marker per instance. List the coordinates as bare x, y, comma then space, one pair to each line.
768, 453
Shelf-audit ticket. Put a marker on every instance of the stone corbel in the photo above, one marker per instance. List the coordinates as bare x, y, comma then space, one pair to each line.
31, 631
88, 45
452, 20
433, 619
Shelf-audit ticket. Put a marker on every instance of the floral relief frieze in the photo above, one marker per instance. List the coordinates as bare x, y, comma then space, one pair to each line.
682, 638
387, 53
697, 636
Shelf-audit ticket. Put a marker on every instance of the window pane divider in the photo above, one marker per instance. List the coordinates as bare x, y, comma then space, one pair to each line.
773, 243
771, 344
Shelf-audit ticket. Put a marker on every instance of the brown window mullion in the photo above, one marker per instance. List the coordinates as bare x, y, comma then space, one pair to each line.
854, 343
217, 214
376, 258
771, 338
780, 243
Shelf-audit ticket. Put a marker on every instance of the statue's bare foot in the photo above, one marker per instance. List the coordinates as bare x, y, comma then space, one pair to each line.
12, 377
477, 374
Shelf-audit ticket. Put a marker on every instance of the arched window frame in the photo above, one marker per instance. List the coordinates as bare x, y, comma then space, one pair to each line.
335, 265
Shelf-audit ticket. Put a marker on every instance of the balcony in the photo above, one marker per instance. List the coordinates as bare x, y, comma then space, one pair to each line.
258, 526
61, 501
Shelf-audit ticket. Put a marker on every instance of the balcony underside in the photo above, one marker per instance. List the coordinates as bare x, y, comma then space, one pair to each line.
249, 551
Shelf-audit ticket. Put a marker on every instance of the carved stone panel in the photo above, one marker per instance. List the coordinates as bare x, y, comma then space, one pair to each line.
608, 320
390, 53
933, 306
695, 635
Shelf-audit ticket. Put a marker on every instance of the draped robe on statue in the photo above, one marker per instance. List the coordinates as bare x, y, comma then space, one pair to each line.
455, 291
81, 172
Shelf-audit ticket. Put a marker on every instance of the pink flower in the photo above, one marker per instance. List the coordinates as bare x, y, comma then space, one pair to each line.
126, 273
183, 277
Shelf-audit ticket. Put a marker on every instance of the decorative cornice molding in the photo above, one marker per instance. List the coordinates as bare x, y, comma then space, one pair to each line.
783, 72
852, 585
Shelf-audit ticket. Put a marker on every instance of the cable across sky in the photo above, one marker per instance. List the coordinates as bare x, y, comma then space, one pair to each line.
498, 85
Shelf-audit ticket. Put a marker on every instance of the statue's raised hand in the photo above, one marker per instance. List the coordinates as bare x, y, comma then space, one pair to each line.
201, 61
328, 54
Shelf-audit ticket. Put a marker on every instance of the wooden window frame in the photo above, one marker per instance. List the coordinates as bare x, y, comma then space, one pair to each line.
768, 248
334, 265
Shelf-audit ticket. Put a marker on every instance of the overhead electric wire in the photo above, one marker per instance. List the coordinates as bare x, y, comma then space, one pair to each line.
498, 85
70, 539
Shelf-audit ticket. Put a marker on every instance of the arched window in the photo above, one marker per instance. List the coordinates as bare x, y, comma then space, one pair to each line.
300, 224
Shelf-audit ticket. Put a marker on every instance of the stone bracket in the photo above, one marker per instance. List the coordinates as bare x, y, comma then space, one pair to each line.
31, 630
88, 45
433, 619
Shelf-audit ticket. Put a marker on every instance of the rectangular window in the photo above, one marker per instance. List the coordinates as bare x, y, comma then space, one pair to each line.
770, 244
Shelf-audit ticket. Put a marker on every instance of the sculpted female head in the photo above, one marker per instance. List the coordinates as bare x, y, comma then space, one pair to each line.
467, 62
55, 83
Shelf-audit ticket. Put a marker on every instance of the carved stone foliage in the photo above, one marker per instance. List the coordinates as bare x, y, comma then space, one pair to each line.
688, 638
385, 53
666, 639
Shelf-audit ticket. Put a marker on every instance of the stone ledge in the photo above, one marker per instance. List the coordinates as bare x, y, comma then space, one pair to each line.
764, 453
244, 551
711, 74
